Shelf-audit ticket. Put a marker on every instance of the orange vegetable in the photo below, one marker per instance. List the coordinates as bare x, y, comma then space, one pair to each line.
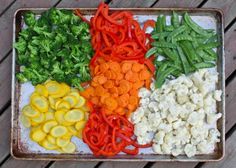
126, 66
102, 79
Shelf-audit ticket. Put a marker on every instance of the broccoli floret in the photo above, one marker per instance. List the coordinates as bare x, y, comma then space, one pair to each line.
21, 77
29, 19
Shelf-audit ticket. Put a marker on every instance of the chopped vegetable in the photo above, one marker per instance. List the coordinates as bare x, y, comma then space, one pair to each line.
55, 46
185, 46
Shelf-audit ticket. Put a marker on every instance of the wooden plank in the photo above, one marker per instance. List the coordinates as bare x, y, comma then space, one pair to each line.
122, 164
229, 161
79, 3
131, 4
230, 51
5, 125
177, 3
11, 163
228, 7
5, 78
5, 4
174, 164
73, 164
7, 19
230, 105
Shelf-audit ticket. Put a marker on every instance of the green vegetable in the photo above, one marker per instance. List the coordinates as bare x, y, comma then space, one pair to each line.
185, 46
55, 46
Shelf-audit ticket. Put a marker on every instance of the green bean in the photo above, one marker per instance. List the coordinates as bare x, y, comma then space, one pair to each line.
205, 56
184, 60
161, 78
189, 51
194, 26
204, 65
169, 28
175, 20
163, 21
159, 27
211, 53
176, 32
183, 37
160, 35
168, 53
151, 52
209, 45
160, 51
163, 44
212, 39
162, 67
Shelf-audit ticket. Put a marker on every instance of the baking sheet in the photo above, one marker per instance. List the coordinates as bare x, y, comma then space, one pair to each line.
23, 147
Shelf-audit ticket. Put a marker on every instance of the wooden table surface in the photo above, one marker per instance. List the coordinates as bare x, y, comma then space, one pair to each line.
7, 9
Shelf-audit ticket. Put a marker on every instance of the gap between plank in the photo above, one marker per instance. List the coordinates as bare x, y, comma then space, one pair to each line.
149, 165
49, 164
202, 3
5, 107
5, 159
230, 25
230, 78
154, 3
7, 8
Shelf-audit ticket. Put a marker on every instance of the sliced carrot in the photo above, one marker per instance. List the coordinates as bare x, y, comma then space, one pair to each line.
126, 66
113, 74
123, 100
138, 84
100, 61
94, 84
95, 100
104, 96
128, 75
119, 76
134, 77
96, 70
131, 107
120, 111
137, 67
108, 74
144, 74
115, 66
133, 100
133, 92
99, 90
109, 84
126, 85
102, 79
148, 83
111, 103
104, 67
114, 90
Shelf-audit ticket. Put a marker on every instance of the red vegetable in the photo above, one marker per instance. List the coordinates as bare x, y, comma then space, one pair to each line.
109, 135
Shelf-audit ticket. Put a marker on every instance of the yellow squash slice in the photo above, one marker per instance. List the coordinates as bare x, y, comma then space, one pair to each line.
75, 93
41, 90
47, 126
59, 115
25, 121
58, 131
29, 111
84, 108
80, 125
62, 142
81, 102
71, 100
40, 103
49, 116
70, 148
80, 134
72, 129
38, 135
51, 139
49, 146
53, 87
63, 105
39, 119
74, 115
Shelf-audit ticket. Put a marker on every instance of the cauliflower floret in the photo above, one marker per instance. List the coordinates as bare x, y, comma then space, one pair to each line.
153, 106
165, 127
144, 102
182, 134
213, 135
144, 93
188, 82
217, 95
209, 101
182, 99
154, 120
170, 118
166, 148
159, 137
197, 79
137, 115
199, 132
152, 86
190, 150
205, 147
197, 99
141, 128
194, 118
169, 138
157, 148
212, 117
177, 124
177, 151
145, 138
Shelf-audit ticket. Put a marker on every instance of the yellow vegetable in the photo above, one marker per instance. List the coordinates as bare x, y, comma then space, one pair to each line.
80, 134
84, 108
66, 88
68, 135
86, 116
40, 103
70, 148
75, 93
58, 101
52, 101
25, 121
51, 139
80, 125
71, 100
62, 142
41, 90
29, 111
59, 115
48, 125
51, 109
58, 131
81, 102
74, 115
49, 146
72, 129
38, 135
53, 87
39, 119
63, 105
49, 116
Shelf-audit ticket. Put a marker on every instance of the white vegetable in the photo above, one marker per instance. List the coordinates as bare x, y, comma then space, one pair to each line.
190, 150
212, 118
217, 95
157, 148
159, 137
